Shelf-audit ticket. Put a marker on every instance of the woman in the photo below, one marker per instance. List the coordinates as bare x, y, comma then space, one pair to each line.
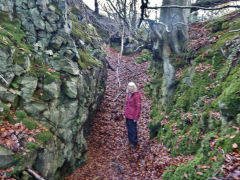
132, 112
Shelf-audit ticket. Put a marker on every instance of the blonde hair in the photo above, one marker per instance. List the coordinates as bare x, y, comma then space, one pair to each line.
132, 84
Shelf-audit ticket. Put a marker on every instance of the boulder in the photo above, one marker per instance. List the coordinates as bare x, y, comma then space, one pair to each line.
70, 87
29, 85
6, 157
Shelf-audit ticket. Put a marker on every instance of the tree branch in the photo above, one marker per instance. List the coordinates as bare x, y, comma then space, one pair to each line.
120, 16
3, 79
234, 30
34, 174
195, 7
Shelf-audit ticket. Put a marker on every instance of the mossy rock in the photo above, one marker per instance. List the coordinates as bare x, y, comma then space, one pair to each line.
32, 146
86, 60
28, 122
4, 111
42, 70
44, 137
229, 100
12, 34
79, 31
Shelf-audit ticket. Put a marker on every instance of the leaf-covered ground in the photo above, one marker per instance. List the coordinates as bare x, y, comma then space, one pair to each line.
110, 155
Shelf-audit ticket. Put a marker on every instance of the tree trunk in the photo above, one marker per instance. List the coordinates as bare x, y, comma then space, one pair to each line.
134, 17
172, 34
96, 7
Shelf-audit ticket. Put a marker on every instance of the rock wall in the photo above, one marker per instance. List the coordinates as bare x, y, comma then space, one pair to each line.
44, 73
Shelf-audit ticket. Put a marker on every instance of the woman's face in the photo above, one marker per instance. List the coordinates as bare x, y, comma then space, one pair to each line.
131, 89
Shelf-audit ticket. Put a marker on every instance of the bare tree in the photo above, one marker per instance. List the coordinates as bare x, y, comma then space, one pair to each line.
124, 12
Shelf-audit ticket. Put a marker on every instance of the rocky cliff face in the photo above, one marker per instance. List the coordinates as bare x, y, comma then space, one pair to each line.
50, 71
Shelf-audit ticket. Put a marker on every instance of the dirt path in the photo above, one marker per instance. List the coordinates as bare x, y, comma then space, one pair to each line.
109, 154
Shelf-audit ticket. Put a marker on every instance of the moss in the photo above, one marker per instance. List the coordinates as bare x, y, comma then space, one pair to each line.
21, 114
204, 106
146, 55
42, 70
13, 34
32, 146
76, 11
225, 37
230, 99
234, 25
44, 137
15, 85
5, 111
79, 31
86, 60
225, 25
28, 122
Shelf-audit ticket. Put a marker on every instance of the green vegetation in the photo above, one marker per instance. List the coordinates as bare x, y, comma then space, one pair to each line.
21, 116
5, 111
12, 35
79, 31
44, 137
146, 55
86, 60
199, 117
32, 146
42, 70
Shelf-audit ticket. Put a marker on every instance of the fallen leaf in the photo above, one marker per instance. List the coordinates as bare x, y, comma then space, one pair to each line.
234, 145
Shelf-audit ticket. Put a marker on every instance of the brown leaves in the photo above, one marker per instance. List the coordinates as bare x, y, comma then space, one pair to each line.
199, 36
14, 136
110, 155
3, 174
234, 145
202, 68
231, 168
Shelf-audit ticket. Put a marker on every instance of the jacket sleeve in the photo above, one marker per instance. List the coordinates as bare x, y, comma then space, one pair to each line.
138, 106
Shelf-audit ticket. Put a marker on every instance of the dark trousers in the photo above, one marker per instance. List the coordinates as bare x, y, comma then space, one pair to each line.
132, 131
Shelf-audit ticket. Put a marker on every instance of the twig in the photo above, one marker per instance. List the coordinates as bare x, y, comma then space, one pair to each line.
128, 69
3, 79
118, 65
34, 174
234, 30
224, 55
115, 99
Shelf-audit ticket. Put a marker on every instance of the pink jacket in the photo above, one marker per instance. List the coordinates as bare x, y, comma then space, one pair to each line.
132, 107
